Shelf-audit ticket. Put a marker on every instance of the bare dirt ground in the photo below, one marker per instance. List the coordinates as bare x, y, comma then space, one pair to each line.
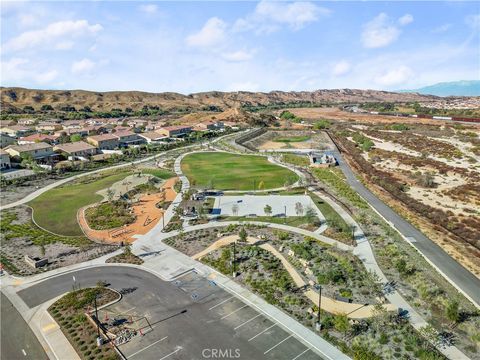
337, 114
15, 192
146, 212
317, 140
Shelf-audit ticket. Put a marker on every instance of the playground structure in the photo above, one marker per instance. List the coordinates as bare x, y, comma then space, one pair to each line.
146, 212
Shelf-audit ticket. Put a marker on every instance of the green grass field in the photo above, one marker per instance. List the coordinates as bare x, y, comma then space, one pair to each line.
291, 139
56, 209
224, 171
163, 174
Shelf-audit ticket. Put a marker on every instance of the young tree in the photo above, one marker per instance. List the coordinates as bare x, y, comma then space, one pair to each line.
310, 215
299, 209
110, 194
243, 235
235, 209
452, 311
268, 210
261, 185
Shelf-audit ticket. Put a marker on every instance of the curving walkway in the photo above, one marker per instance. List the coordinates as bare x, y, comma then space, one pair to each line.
353, 311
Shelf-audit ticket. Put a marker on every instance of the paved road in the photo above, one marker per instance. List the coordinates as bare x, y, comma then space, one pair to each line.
191, 317
17, 339
460, 277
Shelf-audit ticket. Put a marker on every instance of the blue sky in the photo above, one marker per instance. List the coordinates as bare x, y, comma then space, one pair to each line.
229, 46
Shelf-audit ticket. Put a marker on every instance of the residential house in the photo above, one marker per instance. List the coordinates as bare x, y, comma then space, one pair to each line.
6, 140
76, 149
4, 160
152, 137
210, 125
47, 126
17, 131
175, 131
126, 138
35, 138
70, 132
38, 151
104, 141
26, 121
72, 124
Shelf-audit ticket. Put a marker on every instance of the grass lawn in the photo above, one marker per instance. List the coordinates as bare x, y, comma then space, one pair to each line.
291, 139
160, 173
109, 215
56, 209
224, 171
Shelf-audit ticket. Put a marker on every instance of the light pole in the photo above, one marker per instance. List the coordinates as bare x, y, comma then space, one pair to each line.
285, 207
319, 323
233, 260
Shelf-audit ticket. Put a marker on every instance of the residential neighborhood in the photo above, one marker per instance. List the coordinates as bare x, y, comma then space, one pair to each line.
51, 141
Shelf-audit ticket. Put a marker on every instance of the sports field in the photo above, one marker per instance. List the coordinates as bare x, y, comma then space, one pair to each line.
223, 171
56, 209
292, 139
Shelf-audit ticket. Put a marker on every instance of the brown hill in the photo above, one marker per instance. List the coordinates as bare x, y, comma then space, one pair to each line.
15, 97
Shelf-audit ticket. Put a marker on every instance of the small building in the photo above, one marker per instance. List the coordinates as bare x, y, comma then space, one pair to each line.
26, 121
47, 126
36, 262
152, 137
211, 126
74, 131
4, 160
104, 142
6, 140
175, 131
72, 124
324, 160
35, 138
38, 151
76, 149
17, 131
126, 138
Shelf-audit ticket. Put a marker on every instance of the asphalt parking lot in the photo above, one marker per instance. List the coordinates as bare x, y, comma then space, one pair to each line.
190, 318
214, 324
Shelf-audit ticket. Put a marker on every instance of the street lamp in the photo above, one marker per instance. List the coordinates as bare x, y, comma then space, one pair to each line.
233, 260
318, 287
285, 213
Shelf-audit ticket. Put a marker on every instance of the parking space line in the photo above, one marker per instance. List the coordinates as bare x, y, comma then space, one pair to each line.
233, 312
224, 301
127, 311
173, 352
274, 346
260, 333
303, 352
246, 322
146, 347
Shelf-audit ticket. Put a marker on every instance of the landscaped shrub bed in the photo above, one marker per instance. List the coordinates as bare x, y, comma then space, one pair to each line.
69, 313
127, 257
109, 215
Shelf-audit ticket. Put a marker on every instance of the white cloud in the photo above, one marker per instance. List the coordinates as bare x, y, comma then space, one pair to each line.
243, 86
395, 76
379, 32
53, 32
441, 28
64, 45
83, 66
17, 70
405, 19
149, 8
341, 68
473, 21
237, 56
269, 16
46, 77
212, 33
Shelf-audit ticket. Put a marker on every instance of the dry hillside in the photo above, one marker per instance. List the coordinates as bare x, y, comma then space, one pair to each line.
104, 101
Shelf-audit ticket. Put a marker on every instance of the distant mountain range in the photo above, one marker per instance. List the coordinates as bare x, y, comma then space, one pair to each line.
454, 88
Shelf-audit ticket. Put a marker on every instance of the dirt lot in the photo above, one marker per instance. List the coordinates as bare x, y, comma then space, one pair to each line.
337, 114
274, 140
